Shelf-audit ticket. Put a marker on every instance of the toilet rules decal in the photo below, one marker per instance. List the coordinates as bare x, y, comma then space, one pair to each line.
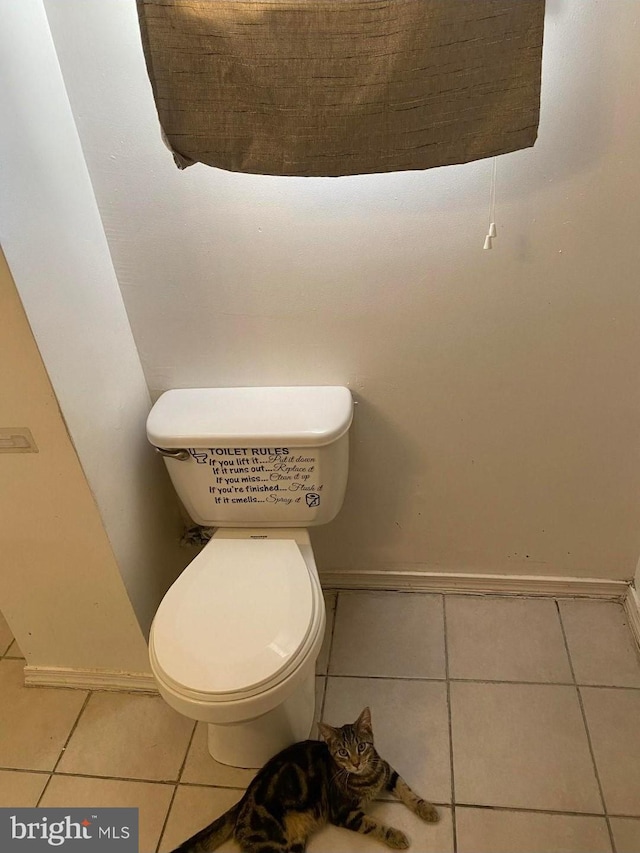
279, 476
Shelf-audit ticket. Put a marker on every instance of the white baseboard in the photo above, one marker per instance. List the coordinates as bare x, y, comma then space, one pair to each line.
474, 584
398, 580
89, 679
632, 609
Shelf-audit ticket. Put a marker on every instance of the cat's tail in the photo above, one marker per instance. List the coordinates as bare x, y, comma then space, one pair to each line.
212, 836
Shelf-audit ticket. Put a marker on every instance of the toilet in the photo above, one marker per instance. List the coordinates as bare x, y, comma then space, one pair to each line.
235, 639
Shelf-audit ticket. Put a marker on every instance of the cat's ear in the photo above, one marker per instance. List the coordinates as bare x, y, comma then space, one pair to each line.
327, 733
363, 724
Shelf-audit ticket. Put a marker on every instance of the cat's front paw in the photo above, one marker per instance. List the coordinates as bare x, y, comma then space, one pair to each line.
396, 839
427, 812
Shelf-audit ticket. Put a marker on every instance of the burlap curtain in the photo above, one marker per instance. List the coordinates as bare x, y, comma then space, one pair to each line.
342, 87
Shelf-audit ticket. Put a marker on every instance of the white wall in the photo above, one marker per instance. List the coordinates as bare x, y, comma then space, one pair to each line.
55, 244
498, 419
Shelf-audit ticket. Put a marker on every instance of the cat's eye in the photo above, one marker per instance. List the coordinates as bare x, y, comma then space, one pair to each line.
362, 747
343, 753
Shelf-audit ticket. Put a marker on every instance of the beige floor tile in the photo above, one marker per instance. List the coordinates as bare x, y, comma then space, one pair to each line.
201, 769
14, 652
21, 790
151, 799
410, 726
35, 722
505, 639
425, 837
6, 637
521, 746
626, 834
323, 658
389, 634
129, 736
497, 831
193, 808
600, 642
613, 718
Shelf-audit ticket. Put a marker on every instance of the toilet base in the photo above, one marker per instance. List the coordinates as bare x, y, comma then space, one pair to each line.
253, 742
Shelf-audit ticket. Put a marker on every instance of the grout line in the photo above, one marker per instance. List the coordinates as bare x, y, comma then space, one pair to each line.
166, 818
542, 683
215, 787
595, 768
394, 801
439, 679
117, 778
330, 652
605, 686
66, 743
446, 667
186, 754
457, 679
6, 656
73, 728
586, 729
175, 790
318, 719
25, 770
530, 810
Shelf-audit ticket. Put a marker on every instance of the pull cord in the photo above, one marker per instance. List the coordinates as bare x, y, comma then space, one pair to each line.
491, 233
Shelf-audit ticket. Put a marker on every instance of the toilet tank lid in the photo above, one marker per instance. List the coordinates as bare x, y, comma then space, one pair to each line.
299, 416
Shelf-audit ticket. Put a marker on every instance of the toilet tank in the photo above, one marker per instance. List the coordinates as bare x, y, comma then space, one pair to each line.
255, 457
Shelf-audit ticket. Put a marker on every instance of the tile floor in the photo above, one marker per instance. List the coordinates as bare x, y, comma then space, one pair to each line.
520, 717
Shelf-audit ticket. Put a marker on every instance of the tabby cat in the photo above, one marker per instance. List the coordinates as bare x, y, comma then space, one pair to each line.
308, 785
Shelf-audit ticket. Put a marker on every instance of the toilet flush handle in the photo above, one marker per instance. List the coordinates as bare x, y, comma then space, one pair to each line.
182, 455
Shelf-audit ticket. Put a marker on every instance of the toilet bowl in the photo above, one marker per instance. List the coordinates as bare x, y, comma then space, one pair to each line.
235, 641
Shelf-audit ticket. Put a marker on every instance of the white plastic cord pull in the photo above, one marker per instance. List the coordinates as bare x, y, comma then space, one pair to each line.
492, 207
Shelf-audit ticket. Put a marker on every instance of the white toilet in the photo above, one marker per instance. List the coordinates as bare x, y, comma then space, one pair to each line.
235, 639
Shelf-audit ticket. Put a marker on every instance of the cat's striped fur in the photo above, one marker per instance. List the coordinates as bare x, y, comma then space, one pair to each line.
309, 785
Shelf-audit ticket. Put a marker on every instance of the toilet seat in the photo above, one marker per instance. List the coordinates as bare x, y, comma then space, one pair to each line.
238, 621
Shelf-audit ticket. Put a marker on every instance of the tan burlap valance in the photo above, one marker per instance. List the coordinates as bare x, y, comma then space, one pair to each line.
343, 87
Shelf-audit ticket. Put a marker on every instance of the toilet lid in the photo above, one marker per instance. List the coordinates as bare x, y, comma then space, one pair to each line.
235, 617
